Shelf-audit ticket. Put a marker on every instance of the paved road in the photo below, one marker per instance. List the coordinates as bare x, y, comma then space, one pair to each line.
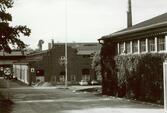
56, 100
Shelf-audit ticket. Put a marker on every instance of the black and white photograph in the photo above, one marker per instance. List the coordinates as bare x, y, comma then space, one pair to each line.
83, 56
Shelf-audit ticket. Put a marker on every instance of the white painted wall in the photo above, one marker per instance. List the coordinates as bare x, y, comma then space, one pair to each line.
166, 43
21, 72
41, 78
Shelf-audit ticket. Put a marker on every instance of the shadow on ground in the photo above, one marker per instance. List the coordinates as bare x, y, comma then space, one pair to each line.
6, 105
96, 90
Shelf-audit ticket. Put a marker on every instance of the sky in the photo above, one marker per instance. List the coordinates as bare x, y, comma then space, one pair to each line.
79, 20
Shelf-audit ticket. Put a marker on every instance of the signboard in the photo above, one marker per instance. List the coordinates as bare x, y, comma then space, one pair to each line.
62, 60
7, 71
39, 72
32, 70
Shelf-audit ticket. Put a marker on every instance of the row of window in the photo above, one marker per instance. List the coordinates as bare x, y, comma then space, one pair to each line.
142, 46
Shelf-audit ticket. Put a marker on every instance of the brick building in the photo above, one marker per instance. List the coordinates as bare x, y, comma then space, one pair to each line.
78, 62
49, 66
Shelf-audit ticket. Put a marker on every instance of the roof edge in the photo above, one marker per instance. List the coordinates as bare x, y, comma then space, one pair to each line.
134, 30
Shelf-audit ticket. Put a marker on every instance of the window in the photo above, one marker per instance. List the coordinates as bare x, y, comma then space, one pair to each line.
121, 48
86, 56
151, 44
85, 71
143, 45
161, 43
62, 73
73, 78
135, 46
128, 47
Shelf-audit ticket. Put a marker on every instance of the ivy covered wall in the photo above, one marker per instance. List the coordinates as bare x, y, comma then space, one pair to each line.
141, 76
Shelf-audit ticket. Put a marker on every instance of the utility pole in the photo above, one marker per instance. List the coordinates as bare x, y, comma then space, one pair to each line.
66, 36
8, 95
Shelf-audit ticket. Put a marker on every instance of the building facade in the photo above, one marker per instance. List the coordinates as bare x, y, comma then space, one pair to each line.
21, 71
132, 60
48, 65
7, 60
78, 62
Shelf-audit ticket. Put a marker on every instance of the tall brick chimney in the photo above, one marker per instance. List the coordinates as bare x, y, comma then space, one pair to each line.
129, 15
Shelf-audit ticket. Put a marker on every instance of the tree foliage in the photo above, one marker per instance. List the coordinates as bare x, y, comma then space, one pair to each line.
141, 76
96, 65
9, 35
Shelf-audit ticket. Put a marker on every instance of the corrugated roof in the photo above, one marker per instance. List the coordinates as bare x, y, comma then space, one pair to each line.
83, 48
85, 52
155, 22
37, 53
13, 53
88, 48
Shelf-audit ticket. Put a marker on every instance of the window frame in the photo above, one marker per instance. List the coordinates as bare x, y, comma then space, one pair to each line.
159, 45
121, 48
135, 46
151, 45
143, 45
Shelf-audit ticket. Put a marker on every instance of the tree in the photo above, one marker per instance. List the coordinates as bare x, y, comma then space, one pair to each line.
9, 35
40, 42
96, 65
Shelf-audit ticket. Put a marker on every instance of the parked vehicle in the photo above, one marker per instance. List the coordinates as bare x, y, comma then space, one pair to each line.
14, 77
94, 82
8, 77
83, 83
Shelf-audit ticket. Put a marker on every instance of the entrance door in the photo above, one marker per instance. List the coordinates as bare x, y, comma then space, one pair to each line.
62, 77
86, 74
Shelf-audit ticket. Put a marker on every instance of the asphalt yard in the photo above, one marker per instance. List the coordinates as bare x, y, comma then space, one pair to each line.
60, 100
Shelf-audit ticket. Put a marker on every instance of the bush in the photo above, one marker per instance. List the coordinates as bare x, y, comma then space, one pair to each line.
140, 76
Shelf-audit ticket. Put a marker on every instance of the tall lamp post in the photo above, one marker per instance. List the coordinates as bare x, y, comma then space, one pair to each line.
66, 35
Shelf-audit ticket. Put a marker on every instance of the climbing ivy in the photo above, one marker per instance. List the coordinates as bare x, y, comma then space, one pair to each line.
141, 76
